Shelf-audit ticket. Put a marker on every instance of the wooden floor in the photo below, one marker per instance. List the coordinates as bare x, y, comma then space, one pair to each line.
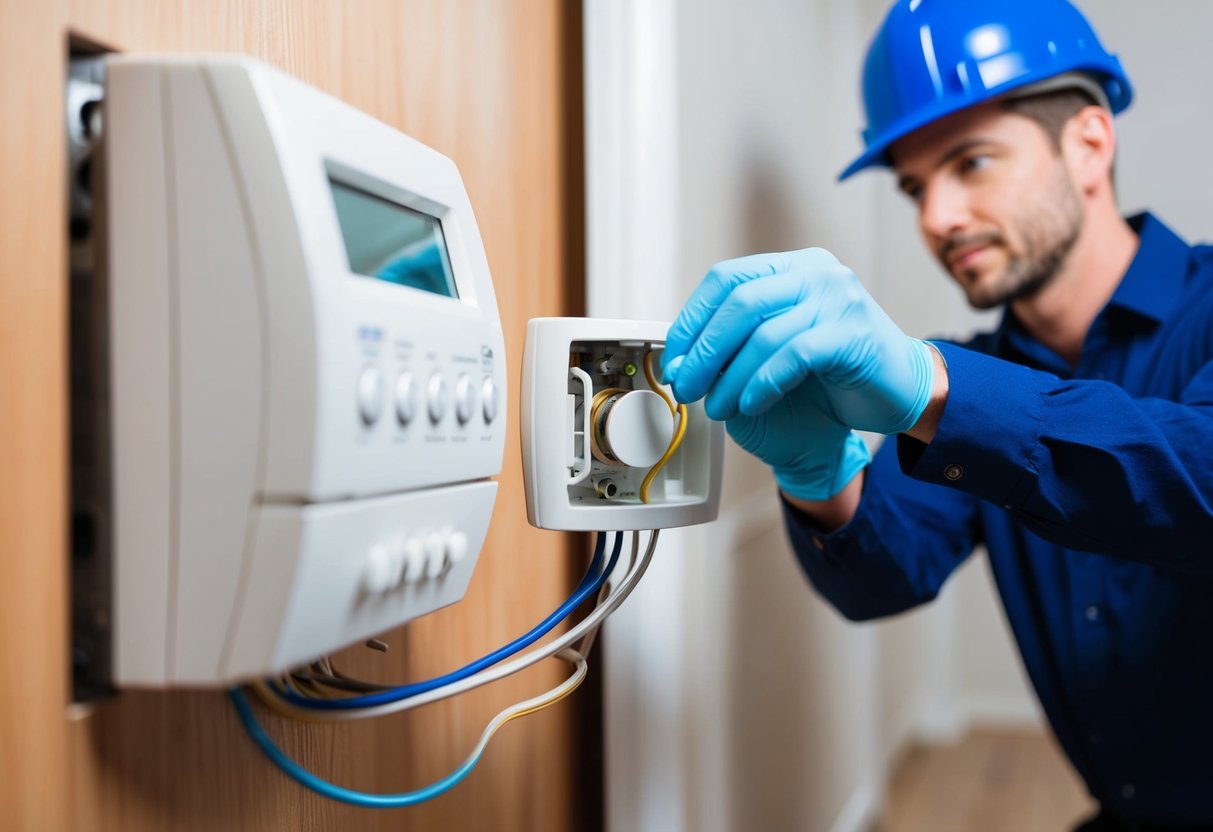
989, 782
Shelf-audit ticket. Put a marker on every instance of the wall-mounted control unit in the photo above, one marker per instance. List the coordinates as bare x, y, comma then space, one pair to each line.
308, 381
598, 429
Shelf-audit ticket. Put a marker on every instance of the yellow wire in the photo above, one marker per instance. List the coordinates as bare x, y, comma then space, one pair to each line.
564, 694
309, 687
270, 699
676, 440
652, 379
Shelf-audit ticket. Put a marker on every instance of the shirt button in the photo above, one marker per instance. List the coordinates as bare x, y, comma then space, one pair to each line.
1127, 791
953, 472
1092, 613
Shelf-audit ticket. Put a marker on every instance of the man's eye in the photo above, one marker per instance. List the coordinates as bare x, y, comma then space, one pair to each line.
972, 164
913, 192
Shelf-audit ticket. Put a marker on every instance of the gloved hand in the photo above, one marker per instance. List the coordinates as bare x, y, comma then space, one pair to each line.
813, 456
758, 327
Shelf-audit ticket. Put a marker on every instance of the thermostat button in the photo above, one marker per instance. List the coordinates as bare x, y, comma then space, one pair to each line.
414, 560
463, 399
406, 398
435, 394
488, 396
435, 555
457, 547
370, 394
395, 551
377, 573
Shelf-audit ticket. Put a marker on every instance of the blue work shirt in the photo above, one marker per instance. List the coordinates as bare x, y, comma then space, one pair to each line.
1091, 488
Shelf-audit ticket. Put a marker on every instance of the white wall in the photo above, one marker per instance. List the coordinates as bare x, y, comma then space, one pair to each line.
735, 697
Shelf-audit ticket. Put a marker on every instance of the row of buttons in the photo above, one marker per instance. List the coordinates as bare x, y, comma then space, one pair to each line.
370, 397
411, 560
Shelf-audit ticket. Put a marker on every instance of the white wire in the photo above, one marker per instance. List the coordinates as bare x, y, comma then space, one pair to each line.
587, 643
585, 627
521, 709
580, 669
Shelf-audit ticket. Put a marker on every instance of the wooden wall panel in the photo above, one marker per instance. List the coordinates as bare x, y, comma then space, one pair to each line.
495, 84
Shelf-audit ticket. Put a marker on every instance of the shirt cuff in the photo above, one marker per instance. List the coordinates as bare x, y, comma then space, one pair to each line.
989, 432
811, 541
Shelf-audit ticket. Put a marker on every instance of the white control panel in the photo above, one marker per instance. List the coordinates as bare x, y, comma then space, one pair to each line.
595, 428
308, 373
382, 555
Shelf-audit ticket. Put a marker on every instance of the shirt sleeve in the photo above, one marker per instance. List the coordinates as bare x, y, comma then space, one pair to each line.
898, 549
1078, 462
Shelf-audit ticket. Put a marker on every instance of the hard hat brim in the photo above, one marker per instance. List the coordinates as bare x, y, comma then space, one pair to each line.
1116, 99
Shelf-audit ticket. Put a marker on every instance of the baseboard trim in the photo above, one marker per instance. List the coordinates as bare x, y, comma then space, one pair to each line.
863, 808
1011, 712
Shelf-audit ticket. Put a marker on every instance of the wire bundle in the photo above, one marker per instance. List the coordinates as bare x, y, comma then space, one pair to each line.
323, 693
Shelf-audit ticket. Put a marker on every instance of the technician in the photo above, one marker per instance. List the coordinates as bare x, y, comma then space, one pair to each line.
1075, 440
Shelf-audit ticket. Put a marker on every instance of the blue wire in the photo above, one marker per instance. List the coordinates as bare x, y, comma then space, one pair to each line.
589, 585
327, 789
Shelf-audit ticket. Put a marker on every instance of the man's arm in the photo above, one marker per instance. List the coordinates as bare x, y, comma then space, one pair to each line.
837, 511
897, 548
791, 352
1079, 462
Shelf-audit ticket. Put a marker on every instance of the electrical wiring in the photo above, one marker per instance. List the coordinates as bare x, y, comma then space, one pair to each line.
587, 641
610, 595
340, 683
636, 571
651, 378
387, 801
679, 411
324, 673
594, 578
270, 697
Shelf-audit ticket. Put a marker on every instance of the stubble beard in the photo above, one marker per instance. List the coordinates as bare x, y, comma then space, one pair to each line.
1049, 231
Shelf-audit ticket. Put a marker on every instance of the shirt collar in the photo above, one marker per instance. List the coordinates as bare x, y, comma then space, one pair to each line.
1151, 287
1154, 282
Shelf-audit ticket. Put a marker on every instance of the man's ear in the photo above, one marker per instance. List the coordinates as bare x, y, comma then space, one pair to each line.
1088, 143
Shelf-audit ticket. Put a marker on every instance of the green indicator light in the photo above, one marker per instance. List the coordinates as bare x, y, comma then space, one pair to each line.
629, 369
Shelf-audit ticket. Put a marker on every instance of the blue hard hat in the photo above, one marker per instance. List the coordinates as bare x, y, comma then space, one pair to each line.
932, 58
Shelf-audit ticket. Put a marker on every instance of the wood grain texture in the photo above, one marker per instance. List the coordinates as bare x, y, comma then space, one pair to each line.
496, 86
993, 781
33, 420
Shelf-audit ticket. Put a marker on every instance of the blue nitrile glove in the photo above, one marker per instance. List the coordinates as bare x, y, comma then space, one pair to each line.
759, 326
813, 456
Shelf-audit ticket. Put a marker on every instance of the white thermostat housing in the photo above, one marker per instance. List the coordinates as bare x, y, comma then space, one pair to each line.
593, 426
308, 383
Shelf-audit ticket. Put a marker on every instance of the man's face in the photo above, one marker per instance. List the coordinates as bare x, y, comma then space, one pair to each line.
996, 204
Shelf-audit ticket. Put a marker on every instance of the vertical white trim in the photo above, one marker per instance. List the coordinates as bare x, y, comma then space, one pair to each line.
942, 719
863, 808
632, 185
632, 249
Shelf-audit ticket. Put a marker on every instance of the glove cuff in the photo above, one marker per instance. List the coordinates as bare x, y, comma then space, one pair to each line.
922, 370
821, 482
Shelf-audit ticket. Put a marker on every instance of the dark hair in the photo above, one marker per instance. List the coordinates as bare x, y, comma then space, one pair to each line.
1051, 110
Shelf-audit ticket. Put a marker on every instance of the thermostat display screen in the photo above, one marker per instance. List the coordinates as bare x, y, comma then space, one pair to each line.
390, 242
